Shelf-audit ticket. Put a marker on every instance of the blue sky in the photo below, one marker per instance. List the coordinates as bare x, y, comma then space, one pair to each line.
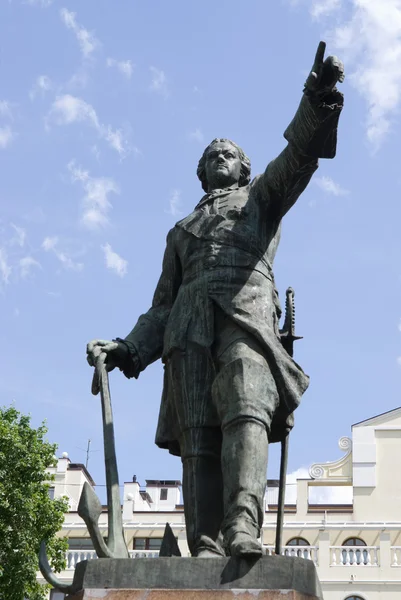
105, 109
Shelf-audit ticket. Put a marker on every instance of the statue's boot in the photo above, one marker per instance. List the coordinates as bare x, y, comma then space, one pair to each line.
246, 398
244, 465
202, 488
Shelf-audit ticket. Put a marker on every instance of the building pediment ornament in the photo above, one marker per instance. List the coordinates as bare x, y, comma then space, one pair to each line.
340, 469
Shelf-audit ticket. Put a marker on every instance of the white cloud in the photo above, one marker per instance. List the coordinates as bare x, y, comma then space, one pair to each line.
5, 109
334, 494
95, 151
317, 494
26, 264
42, 3
291, 480
159, 82
79, 79
328, 185
42, 85
20, 236
6, 136
368, 39
124, 66
5, 268
96, 204
69, 109
86, 40
323, 8
174, 203
197, 135
114, 262
116, 140
68, 263
51, 244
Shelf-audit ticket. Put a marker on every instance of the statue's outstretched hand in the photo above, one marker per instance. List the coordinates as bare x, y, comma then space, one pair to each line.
324, 74
116, 353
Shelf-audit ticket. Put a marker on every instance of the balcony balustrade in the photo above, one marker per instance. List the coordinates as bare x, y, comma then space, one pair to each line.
75, 556
143, 553
396, 556
341, 556
308, 552
354, 556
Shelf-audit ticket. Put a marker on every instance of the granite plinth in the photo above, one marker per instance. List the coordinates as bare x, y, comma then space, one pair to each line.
192, 595
176, 578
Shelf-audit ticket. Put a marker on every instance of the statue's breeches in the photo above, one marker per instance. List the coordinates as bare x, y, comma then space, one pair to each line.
211, 387
225, 399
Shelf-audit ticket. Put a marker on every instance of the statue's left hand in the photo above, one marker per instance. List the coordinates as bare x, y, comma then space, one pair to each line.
325, 73
116, 353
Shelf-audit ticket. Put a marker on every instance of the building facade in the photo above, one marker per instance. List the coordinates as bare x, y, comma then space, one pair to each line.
343, 515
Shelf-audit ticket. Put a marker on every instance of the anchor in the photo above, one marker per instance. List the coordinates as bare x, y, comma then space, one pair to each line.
90, 508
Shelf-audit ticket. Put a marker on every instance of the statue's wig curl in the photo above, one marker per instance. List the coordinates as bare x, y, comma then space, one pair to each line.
245, 175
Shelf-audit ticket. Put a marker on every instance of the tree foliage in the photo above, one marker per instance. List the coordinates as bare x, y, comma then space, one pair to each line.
27, 513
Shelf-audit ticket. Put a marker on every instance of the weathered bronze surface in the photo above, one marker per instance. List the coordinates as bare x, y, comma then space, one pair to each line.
230, 384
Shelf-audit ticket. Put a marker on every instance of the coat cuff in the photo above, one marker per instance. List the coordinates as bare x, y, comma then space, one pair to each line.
313, 130
130, 366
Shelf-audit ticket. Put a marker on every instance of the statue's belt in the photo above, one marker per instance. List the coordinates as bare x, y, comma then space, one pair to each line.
227, 260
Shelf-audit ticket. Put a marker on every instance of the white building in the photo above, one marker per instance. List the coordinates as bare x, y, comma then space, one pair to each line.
346, 517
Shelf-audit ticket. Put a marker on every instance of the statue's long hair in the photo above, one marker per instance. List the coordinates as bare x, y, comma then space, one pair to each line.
245, 175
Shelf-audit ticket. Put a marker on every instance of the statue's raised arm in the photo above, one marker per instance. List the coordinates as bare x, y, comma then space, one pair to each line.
312, 134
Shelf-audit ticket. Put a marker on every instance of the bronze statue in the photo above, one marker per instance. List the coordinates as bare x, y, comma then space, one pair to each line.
230, 386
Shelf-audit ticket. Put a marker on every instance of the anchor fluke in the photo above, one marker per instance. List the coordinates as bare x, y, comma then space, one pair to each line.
169, 546
50, 577
89, 509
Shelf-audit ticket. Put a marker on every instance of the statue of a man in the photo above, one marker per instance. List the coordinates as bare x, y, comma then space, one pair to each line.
230, 387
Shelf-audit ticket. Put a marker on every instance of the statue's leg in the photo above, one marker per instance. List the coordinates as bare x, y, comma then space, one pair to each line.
202, 488
245, 395
191, 374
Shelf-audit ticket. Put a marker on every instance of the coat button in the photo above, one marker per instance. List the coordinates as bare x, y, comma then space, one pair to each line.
211, 261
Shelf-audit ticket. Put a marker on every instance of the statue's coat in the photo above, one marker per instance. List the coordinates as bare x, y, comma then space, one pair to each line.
222, 254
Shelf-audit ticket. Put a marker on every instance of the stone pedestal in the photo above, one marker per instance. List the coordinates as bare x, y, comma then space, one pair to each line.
192, 595
267, 578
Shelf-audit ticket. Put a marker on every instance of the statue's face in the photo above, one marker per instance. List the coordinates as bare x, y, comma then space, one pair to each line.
223, 166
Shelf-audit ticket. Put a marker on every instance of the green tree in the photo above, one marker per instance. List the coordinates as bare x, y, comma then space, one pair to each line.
27, 513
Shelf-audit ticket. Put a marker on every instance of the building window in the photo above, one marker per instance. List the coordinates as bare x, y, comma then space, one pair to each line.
155, 543
354, 555
56, 595
163, 493
298, 541
152, 544
51, 493
80, 543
